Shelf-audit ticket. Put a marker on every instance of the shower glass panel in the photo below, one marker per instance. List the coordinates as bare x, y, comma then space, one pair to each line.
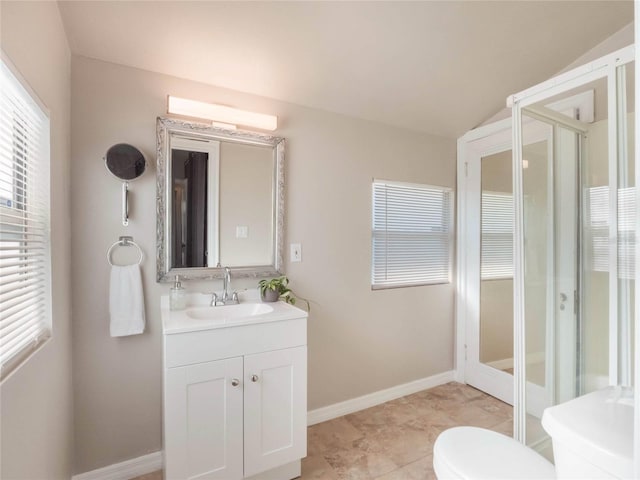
537, 179
496, 262
566, 232
575, 231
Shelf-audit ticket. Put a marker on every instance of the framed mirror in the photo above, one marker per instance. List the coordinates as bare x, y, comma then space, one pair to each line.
220, 201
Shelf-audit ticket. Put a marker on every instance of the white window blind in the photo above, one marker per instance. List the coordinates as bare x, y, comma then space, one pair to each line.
411, 234
597, 205
497, 235
25, 299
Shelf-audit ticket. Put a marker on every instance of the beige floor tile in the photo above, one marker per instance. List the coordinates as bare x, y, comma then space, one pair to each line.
364, 458
421, 469
407, 443
377, 419
352, 464
450, 394
334, 433
317, 468
506, 428
474, 416
495, 407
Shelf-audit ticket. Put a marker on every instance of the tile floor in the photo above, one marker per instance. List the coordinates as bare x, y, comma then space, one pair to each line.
394, 441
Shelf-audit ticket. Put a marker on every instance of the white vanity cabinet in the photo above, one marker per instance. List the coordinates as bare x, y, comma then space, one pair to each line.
235, 397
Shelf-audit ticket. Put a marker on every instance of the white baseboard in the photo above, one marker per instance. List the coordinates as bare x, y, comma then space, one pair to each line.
125, 470
154, 461
376, 398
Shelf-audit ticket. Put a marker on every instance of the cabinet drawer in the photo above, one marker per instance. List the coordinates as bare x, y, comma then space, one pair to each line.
207, 345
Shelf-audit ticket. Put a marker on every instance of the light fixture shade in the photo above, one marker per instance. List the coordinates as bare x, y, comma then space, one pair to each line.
221, 113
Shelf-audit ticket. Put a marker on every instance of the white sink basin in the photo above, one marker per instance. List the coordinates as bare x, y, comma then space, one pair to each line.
229, 312
200, 316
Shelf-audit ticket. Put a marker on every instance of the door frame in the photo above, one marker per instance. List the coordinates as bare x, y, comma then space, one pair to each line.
482, 141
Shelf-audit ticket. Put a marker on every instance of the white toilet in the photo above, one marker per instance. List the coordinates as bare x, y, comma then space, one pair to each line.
592, 437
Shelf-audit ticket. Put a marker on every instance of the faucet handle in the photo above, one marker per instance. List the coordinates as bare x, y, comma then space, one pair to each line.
234, 297
214, 300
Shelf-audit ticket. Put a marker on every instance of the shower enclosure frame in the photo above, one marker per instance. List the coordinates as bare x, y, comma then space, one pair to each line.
605, 67
472, 147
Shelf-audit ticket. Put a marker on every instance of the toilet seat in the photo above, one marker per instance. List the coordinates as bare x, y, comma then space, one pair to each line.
475, 453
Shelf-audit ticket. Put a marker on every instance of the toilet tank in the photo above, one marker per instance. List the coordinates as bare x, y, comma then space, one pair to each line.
592, 435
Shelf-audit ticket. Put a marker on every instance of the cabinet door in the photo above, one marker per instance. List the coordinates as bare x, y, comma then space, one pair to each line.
203, 421
275, 409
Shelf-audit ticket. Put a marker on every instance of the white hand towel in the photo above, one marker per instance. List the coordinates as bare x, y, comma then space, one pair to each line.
126, 301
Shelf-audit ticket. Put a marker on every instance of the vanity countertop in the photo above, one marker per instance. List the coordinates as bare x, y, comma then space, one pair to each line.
195, 317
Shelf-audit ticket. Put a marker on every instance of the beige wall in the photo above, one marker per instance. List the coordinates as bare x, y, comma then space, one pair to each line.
36, 401
246, 197
360, 340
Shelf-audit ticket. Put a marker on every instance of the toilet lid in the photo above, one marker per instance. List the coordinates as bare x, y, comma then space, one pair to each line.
476, 453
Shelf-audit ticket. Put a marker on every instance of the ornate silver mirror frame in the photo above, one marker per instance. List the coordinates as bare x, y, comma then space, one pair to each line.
166, 127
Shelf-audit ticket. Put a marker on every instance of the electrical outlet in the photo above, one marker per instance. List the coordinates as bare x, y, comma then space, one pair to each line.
296, 252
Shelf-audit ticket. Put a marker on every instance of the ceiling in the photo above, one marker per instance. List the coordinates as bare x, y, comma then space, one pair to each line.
437, 67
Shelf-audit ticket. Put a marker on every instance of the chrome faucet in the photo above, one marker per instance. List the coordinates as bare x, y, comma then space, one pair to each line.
228, 297
226, 284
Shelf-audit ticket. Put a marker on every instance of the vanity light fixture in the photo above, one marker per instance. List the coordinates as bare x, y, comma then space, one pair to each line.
221, 113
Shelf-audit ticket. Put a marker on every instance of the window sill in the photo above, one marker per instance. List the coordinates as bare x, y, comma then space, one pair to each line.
16, 363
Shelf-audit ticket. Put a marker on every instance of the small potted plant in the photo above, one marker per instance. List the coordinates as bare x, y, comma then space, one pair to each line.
276, 289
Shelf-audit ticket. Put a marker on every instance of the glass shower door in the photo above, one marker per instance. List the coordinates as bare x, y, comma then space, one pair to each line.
550, 185
578, 249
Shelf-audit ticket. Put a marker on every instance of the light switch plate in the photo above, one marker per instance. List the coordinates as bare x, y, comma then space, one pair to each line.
242, 231
296, 252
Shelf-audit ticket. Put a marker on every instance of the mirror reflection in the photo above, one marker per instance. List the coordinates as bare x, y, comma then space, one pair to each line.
223, 193
222, 203
496, 260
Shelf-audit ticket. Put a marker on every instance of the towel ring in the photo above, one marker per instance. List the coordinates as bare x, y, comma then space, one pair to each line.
124, 242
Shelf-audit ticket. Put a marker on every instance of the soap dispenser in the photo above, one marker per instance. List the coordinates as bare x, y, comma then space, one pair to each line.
178, 296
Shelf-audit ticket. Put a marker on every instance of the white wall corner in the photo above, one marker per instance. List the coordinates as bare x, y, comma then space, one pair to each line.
376, 398
125, 470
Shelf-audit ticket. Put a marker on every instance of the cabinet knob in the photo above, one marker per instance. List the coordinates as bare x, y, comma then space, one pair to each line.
254, 378
235, 382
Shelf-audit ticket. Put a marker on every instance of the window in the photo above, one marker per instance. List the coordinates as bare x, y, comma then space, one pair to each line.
411, 234
597, 205
25, 298
497, 236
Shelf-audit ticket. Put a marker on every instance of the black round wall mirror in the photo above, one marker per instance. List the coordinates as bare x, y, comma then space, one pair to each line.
125, 161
